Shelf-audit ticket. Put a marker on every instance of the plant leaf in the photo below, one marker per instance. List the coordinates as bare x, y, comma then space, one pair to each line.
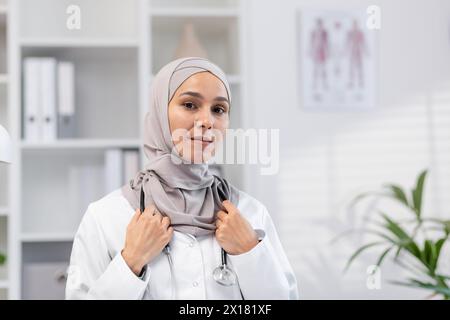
406, 241
398, 194
383, 255
426, 253
418, 192
436, 251
363, 196
360, 250
362, 230
439, 245
419, 284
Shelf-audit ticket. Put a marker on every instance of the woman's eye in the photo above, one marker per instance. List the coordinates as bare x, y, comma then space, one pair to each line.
219, 110
189, 105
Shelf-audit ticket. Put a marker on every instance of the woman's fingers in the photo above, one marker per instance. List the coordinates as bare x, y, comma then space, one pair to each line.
170, 233
165, 222
136, 216
153, 213
221, 215
229, 206
149, 210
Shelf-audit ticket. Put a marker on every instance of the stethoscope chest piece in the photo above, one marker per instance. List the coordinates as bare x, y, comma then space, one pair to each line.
223, 274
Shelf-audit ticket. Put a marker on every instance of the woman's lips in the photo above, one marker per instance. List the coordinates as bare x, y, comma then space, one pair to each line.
205, 141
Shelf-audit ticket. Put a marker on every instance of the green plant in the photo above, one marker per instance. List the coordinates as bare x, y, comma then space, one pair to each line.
2, 258
403, 244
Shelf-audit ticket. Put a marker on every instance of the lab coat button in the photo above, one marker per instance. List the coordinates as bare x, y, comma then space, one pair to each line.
195, 283
191, 244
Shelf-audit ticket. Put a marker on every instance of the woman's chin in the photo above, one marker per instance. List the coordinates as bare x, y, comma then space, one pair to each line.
198, 156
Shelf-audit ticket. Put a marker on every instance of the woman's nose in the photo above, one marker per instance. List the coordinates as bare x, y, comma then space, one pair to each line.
205, 120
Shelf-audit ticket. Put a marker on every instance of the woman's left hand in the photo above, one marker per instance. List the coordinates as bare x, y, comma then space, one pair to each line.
234, 233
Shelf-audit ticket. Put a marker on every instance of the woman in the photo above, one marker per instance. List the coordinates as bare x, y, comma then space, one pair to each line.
192, 220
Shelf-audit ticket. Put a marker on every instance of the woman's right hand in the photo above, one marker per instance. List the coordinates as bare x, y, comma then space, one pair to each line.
146, 237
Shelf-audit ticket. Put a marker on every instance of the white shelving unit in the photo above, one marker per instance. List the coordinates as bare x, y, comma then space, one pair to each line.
115, 58
5, 220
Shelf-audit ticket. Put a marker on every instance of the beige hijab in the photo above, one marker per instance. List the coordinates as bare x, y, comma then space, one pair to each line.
188, 193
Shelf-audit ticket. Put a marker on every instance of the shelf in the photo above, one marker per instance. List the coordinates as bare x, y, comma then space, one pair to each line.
47, 237
81, 144
81, 42
192, 12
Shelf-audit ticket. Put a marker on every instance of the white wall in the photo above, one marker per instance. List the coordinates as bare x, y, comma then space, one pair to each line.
329, 157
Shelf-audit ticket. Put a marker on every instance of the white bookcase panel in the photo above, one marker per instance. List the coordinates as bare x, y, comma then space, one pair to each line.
73, 178
4, 247
3, 38
104, 19
4, 190
217, 35
4, 120
106, 89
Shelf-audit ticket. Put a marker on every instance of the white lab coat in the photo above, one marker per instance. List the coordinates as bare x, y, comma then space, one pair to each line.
98, 271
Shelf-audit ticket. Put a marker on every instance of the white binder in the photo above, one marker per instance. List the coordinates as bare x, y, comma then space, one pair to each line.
113, 169
32, 99
66, 100
48, 99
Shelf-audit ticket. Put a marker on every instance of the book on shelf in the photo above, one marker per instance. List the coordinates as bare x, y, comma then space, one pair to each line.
89, 182
120, 167
31, 99
66, 100
49, 99
85, 185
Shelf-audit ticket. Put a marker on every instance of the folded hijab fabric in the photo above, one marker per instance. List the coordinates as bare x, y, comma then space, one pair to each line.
188, 193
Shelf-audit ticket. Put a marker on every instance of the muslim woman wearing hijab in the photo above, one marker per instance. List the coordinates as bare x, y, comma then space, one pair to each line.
177, 230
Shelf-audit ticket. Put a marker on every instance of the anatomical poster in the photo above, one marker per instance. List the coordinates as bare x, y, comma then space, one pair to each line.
337, 55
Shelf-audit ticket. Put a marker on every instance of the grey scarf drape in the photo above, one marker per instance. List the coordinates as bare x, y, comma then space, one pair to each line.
188, 193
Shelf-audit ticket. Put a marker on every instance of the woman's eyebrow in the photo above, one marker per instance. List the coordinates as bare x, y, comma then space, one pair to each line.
198, 95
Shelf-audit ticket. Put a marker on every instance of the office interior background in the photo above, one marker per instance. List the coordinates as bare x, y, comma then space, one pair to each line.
359, 90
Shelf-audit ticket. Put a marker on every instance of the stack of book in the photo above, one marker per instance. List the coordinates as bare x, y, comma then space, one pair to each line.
48, 99
120, 166
88, 182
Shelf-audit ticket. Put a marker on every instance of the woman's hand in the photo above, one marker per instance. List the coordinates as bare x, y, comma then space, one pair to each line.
147, 234
234, 233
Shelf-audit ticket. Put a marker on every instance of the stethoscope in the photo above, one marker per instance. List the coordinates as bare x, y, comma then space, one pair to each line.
222, 274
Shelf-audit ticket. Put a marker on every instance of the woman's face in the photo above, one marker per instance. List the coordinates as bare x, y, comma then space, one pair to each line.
198, 116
